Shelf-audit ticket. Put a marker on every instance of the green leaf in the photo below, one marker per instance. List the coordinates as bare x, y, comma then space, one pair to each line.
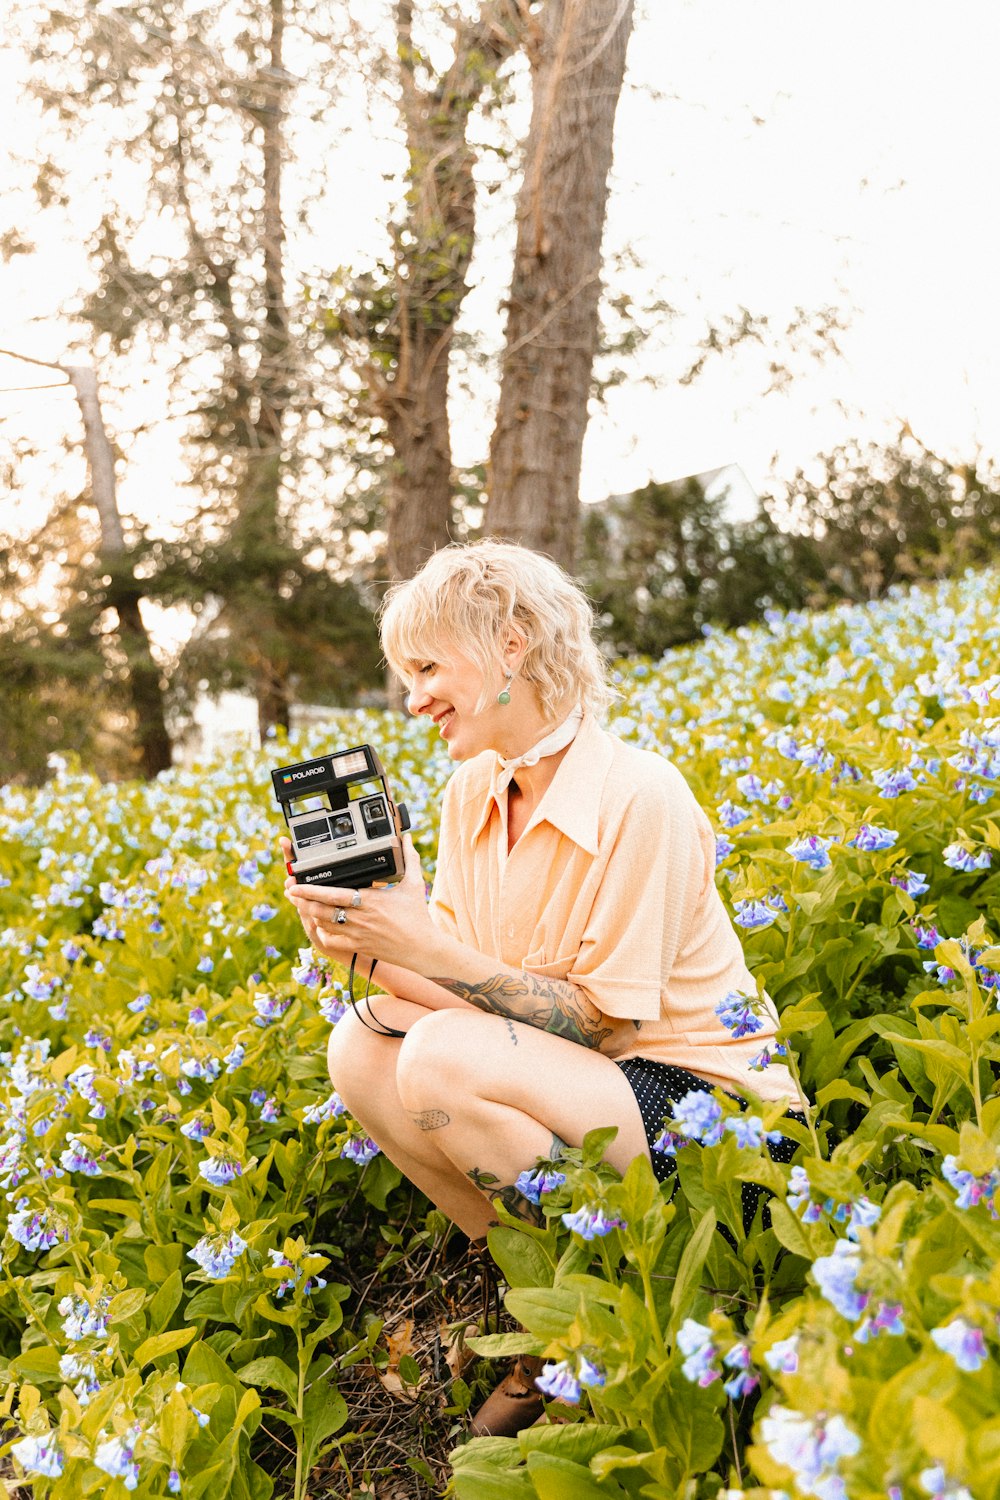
841, 1089
691, 1263
325, 1412
789, 1229
504, 1345
577, 1441
273, 1372
40, 1363
596, 1142
164, 1302
126, 1206
520, 1257
689, 1424
163, 1343
558, 1479
547, 1312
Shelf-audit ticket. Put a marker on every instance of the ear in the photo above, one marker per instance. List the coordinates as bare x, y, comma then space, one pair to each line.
514, 649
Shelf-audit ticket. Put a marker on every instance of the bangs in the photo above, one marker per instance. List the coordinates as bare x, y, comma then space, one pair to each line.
410, 635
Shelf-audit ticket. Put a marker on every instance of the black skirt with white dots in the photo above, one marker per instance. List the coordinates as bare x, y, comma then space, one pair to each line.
657, 1086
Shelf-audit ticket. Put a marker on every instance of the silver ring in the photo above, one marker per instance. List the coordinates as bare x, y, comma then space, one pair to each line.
341, 916
356, 900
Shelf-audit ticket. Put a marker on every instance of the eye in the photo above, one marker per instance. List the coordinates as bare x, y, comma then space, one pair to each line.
427, 668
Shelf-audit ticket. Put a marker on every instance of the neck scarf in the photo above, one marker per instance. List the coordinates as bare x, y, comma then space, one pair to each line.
557, 740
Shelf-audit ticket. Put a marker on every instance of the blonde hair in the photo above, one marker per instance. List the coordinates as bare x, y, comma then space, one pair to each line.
471, 595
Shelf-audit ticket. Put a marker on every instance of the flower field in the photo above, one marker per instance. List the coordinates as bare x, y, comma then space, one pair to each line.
183, 1188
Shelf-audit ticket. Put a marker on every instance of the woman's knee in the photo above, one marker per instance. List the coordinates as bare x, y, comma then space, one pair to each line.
434, 1058
355, 1057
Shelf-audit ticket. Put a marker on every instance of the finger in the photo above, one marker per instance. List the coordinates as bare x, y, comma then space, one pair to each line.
411, 862
324, 895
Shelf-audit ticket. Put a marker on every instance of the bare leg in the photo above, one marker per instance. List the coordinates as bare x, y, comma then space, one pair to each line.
467, 1101
506, 1090
363, 1069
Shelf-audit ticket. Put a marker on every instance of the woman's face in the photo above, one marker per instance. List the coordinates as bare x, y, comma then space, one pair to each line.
448, 691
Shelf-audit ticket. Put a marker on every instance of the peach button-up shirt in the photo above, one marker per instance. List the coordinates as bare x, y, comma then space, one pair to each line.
611, 887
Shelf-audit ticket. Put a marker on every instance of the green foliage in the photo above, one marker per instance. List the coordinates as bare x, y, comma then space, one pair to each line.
151, 996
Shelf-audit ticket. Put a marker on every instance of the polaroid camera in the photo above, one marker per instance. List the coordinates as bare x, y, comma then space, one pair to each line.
344, 827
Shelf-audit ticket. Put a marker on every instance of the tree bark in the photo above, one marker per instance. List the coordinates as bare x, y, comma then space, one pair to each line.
144, 684
552, 315
433, 252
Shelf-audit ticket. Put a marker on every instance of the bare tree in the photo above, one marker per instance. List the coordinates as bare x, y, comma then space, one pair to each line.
578, 64
123, 592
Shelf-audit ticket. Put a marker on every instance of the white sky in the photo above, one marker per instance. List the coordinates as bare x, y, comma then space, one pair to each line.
769, 155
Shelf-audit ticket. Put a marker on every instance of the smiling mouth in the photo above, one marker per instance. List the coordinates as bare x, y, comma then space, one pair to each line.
443, 720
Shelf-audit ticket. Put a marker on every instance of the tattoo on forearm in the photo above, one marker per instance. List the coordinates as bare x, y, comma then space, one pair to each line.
513, 1201
431, 1119
548, 1004
510, 1028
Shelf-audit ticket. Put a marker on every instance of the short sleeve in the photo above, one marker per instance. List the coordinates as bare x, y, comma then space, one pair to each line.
652, 886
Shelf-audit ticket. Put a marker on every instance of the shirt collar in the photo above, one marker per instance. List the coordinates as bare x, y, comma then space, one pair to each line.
571, 801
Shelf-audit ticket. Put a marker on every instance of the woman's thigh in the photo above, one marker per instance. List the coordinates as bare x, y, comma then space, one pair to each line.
456, 1055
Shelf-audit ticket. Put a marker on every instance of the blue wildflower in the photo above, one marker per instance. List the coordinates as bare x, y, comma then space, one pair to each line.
205, 965
730, 816
723, 848
116, 1456
330, 1108
887, 1319
37, 1229
590, 1222
835, 1276
696, 1342
811, 850
750, 1133
360, 1149
811, 1447
913, 882
958, 857
964, 1342
872, 839
744, 1382
752, 914
217, 1254
559, 1383
40, 1455
699, 1116
76, 1158
84, 1317
766, 1056
939, 1486
262, 912
220, 1170
783, 1356
532, 1185
736, 1012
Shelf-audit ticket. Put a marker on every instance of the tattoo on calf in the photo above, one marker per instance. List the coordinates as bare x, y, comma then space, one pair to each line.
557, 1147
431, 1119
516, 1205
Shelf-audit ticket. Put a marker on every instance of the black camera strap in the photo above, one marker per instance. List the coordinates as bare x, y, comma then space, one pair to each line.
380, 1029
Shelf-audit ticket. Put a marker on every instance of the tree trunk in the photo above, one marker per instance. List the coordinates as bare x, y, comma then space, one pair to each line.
433, 252
144, 685
267, 410
552, 317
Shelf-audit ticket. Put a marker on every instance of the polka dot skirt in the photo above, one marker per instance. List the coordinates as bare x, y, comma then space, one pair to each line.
657, 1086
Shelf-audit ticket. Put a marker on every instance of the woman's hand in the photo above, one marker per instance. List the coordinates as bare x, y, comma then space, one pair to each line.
389, 923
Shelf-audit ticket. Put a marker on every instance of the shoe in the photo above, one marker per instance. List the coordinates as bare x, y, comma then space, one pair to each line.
515, 1404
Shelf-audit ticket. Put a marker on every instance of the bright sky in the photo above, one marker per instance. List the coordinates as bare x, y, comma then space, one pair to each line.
771, 156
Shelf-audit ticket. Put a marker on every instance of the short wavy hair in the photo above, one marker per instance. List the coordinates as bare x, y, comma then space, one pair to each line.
469, 595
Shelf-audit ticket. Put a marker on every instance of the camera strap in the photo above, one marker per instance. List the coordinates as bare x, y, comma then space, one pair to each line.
380, 1029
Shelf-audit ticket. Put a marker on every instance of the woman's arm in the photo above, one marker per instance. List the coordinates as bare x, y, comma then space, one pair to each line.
419, 962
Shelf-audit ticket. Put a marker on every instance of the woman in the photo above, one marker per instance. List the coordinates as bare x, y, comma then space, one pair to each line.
565, 972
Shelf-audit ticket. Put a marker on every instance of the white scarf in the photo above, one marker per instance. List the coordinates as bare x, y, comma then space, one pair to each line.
557, 740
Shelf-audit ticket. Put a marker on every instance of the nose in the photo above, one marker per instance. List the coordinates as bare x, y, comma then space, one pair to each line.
418, 698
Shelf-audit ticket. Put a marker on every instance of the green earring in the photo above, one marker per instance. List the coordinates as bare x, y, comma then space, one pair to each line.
504, 695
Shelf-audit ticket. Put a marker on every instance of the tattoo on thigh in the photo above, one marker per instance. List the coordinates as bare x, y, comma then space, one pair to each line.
557, 1147
431, 1119
513, 1033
